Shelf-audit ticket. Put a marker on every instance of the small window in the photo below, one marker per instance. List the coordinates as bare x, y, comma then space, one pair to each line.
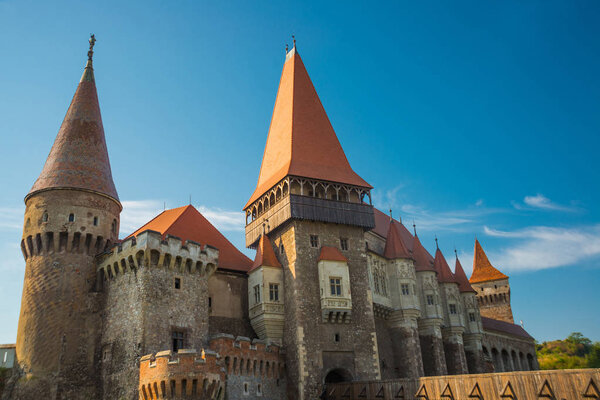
113, 226
5, 356
259, 390
405, 289
95, 221
335, 285
452, 308
209, 302
177, 283
246, 392
177, 341
71, 217
257, 294
429, 300
344, 244
314, 241
281, 249
273, 292
45, 217
472, 316
336, 337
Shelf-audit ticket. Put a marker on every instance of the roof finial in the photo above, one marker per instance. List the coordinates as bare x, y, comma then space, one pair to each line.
294, 39
436, 243
92, 42
391, 217
455, 252
414, 227
286, 48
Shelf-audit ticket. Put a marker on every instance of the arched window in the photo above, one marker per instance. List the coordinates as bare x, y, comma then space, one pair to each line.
45, 217
71, 217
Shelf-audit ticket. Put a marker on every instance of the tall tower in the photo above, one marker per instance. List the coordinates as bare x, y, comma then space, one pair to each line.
71, 214
492, 287
313, 206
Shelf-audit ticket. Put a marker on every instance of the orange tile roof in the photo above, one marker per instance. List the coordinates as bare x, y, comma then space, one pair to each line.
331, 254
461, 278
79, 158
483, 270
187, 223
301, 140
394, 247
265, 256
442, 268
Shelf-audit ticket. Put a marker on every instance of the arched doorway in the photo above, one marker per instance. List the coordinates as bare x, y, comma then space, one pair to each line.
338, 375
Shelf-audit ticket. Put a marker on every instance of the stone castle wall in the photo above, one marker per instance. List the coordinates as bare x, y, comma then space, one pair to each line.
228, 311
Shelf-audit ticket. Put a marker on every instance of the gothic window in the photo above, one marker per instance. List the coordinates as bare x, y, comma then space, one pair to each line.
335, 285
452, 308
472, 317
314, 241
383, 283
177, 340
405, 289
273, 292
45, 217
376, 281
95, 221
71, 217
344, 243
256, 294
429, 300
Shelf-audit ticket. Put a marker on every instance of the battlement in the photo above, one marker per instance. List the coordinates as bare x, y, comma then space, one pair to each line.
188, 374
45, 243
148, 249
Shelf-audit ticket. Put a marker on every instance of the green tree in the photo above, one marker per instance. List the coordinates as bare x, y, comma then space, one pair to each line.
593, 358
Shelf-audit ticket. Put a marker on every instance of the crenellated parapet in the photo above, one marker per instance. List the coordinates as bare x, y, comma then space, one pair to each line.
188, 374
149, 249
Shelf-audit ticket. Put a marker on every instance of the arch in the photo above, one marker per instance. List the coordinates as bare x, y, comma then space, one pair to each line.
210, 268
496, 360
485, 351
272, 199
522, 361
506, 361
331, 193
131, 263
284, 189
320, 190
530, 364
260, 208
336, 375
123, 265
45, 216
515, 361
154, 257
139, 257
295, 187
189, 265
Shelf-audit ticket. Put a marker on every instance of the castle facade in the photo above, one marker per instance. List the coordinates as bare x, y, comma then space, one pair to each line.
338, 290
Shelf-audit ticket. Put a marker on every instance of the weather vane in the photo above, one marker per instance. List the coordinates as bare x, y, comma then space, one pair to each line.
92, 42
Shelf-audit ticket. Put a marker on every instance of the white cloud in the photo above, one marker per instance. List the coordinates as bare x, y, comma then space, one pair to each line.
224, 220
11, 218
540, 201
542, 247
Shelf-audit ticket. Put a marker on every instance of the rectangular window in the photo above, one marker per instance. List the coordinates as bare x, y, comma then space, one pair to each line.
335, 285
405, 289
177, 340
429, 300
257, 294
452, 308
314, 241
281, 249
472, 316
273, 292
246, 391
344, 244
259, 390
177, 283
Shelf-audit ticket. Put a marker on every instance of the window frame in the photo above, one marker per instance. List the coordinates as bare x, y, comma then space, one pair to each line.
274, 292
430, 300
256, 294
314, 241
335, 286
404, 286
344, 244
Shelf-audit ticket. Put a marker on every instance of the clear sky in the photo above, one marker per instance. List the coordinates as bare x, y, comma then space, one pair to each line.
470, 118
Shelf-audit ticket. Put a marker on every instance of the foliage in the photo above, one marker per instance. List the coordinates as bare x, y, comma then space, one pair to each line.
4, 374
576, 351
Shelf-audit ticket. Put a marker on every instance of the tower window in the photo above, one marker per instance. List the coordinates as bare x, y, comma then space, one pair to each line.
177, 341
45, 217
314, 241
336, 337
273, 292
209, 302
259, 390
177, 283
246, 392
344, 244
472, 316
452, 308
429, 300
95, 221
257, 294
71, 217
405, 289
335, 285
281, 249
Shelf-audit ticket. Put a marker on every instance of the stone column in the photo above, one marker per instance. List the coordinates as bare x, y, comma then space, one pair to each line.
406, 343
432, 347
454, 350
474, 353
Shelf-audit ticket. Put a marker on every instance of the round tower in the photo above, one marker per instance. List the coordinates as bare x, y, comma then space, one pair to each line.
71, 215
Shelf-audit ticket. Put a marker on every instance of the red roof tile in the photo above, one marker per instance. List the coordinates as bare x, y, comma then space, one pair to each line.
461, 278
442, 268
483, 270
265, 256
331, 254
394, 247
301, 140
187, 223
490, 324
79, 158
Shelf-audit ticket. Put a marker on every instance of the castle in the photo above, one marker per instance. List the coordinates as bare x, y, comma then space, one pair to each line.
338, 291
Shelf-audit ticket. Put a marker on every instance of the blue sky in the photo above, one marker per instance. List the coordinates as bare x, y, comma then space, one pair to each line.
470, 118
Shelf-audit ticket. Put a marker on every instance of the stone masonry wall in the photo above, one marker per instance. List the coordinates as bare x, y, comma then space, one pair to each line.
228, 313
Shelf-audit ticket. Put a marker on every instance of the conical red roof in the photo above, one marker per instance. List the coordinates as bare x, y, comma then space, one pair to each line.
301, 140
265, 256
394, 247
444, 273
461, 278
79, 158
188, 224
483, 270
423, 261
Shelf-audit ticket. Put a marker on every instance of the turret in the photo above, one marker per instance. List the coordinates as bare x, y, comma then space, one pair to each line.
453, 327
492, 287
473, 329
71, 215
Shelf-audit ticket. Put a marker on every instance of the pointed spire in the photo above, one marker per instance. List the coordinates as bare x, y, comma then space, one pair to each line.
440, 264
483, 270
461, 277
79, 158
265, 256
394, 247
422, 258
301, 140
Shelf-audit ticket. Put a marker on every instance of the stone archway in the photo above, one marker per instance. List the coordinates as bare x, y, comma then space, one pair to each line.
337, 375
